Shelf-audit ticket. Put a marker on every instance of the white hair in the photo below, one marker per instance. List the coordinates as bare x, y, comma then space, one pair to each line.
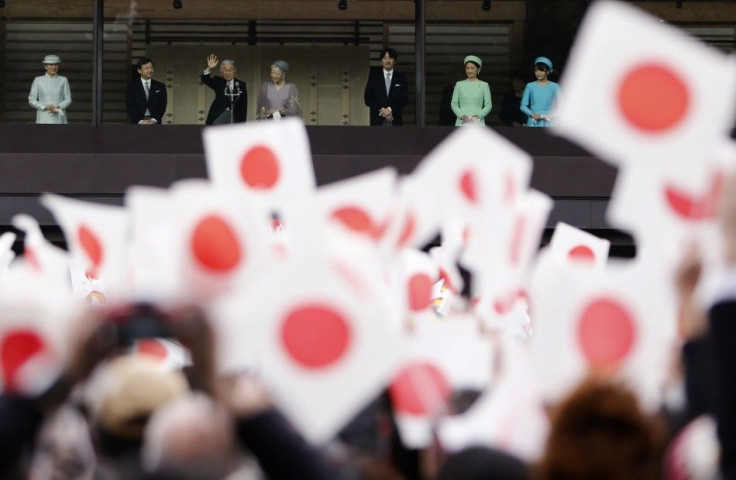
190, 437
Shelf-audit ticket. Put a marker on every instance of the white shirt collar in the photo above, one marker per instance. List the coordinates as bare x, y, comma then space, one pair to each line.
390, 72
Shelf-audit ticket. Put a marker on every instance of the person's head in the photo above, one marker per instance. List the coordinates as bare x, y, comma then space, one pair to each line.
145, 67
542, 68
51, 64
517, 81
64, 448
599, 431
279, 70
189, 438
388, 58
228, 70
483, 463
472, 66
126, 390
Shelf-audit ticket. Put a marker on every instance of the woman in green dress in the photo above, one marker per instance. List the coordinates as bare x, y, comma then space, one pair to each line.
471, 99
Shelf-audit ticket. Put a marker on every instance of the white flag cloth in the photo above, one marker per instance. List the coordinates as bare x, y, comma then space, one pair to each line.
508, 416
320, 339
268, 162
219, 246
638, 90
620, 321
97, 236
572, 246
359, 205
441, 358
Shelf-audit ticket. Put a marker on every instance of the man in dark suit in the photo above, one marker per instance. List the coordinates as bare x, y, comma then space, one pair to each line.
230, 93
386, 92
146, 99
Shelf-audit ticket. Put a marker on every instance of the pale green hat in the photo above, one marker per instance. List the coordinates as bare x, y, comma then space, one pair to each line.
474, 59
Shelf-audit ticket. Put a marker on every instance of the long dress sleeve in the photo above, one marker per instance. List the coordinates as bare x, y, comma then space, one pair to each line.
525, 101
487, 105
262, 105
33, 96
67, 96
455, 102
293, 103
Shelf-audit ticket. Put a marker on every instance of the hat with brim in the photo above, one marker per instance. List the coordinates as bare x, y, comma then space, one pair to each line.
51, 60
544, 61
474, 59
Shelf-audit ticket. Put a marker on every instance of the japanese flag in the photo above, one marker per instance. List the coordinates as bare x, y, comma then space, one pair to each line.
572, 246
472, 171
218, 246
39, 254
418, 274
620, 321
324, 348
152, 261
97, 236
268, 161
501, 251
359, 205
34, 324
639, 90
170, 355
442, 358
508, 415
446, 258
414, 219
6, 255
660, 210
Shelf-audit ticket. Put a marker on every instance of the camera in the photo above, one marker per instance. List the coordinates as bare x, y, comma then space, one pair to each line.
139, 321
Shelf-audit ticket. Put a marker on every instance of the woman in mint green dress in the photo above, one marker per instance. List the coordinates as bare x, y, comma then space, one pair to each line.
471, 99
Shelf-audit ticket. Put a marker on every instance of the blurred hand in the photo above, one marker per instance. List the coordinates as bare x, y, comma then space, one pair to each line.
693, 319
247, 396
212, 61
728, 219
190, 326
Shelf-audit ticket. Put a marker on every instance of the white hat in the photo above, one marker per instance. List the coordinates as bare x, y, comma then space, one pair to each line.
51, 59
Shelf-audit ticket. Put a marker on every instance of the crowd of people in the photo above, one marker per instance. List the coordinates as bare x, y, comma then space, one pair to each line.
386, 94
110, 414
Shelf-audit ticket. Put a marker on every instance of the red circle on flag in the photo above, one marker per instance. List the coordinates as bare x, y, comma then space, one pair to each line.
315, 336
653, 98
509, 187
18, 347
419, 289
467, 186
582, 254
419, 389
90, 244
215, 245
606, 333
152, 348
259, 168
357, 220
407, 232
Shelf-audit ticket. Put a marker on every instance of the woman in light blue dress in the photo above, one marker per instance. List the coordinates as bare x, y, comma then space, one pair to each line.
539, 97
471, 99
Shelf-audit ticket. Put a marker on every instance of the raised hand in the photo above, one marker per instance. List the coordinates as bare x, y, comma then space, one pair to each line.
212, 61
